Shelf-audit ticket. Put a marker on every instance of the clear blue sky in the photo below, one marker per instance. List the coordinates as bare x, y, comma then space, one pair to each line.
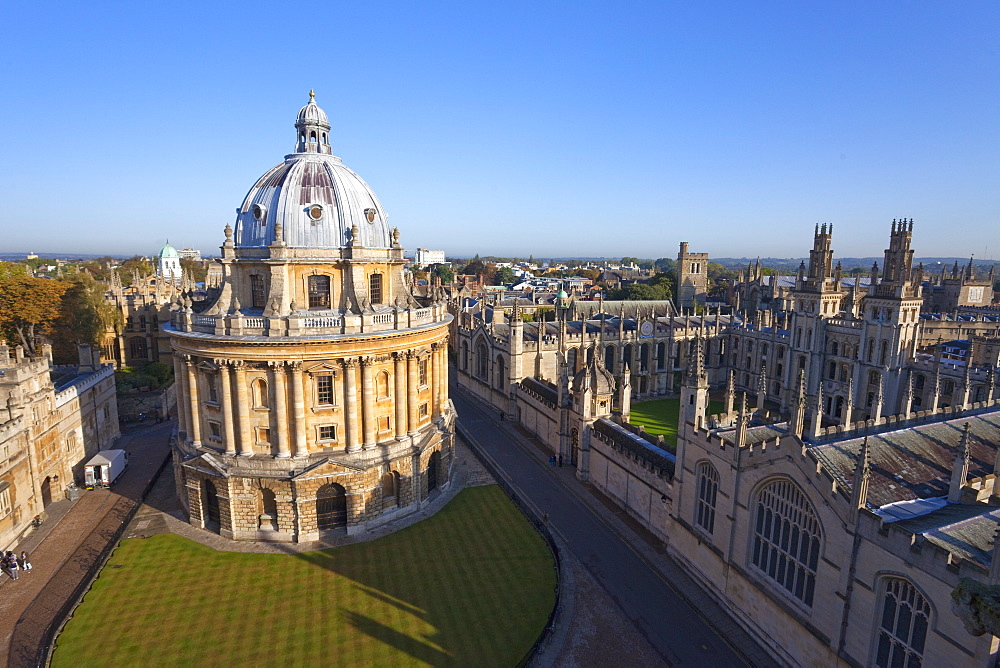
512, 128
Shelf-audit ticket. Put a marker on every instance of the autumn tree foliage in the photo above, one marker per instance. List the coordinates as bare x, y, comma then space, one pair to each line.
29, 307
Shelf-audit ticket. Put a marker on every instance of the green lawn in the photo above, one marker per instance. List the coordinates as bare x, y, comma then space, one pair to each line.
661, 416
471, 586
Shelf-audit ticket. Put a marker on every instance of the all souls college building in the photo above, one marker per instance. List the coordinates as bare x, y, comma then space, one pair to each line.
312, 392
846, 515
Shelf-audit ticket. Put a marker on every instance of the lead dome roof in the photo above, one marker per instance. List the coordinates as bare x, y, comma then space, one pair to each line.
313, 195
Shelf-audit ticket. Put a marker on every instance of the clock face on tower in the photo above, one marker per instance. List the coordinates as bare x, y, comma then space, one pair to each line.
646, 329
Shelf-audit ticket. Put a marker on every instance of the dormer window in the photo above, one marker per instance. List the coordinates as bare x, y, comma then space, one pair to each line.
259, 213
315, 212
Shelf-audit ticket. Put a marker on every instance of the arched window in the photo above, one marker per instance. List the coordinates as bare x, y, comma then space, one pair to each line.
661, 355
902, 625
786, 541
627, 357
708, 490
833, 348
884, 355
375, 288
500, 377
465, 356
260, 396
390, 488
832, 374
137, 348
843, 373
268, 503
918, 382
209, 505
312, 137
947, 388
571, 360
870, 351
644, 357
331, 507
382, 385
609, 358
482, 361
319, 292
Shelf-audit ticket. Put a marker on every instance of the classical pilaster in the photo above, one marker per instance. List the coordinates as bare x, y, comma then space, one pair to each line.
435, 378
399, 400
245, 444
444, 374
180, 393
299, 410
228, 432
194, 423
351, 407
367, 403
279, 416
412, 379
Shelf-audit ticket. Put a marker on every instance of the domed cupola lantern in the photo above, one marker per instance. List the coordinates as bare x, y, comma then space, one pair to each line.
313, 129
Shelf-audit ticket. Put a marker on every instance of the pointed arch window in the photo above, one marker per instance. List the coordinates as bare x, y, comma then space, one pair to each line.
902, 625
786, 539
482, 361
708, 491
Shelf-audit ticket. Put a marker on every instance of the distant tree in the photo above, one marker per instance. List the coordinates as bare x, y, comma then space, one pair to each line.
641, 292
84, 317
37, 262
475, 267
135, 265
419, 274
590, 274
12, 269
531, 259
198, 270
630, 260
29, 307
664, 264
505, 275
444, 273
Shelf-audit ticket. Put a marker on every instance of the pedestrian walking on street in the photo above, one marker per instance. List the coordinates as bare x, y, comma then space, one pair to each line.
560, 460
12, 566
25, 564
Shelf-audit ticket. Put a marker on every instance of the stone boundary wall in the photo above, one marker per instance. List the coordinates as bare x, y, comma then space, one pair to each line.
626, 480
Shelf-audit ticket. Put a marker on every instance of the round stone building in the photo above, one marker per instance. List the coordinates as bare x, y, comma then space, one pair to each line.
312, 391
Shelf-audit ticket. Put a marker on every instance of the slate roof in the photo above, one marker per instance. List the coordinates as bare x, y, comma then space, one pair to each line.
755, 435
636, 445
541, 388
966, 530
915, 462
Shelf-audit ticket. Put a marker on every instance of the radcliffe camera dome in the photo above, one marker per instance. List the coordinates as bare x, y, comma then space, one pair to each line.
315, 198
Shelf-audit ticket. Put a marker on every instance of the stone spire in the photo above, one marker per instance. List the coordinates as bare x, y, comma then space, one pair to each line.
960, 468
761, 387
625, 394
908, 396
742, 422
862, 478
799, 409
817, 421
731, 392
312, 129
879, 399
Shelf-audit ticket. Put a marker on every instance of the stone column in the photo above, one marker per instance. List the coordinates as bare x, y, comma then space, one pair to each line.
180, 394
280, 412
194, 424
228, 432
367, 402
412, 379
299, 410
435, 379
245, 445
351, 405
443, 393
399, 400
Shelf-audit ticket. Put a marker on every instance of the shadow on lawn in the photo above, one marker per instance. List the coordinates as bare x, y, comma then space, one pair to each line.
404, 643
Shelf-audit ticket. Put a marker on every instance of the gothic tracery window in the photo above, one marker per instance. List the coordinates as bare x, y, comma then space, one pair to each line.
708, 490
902, 625
786, 541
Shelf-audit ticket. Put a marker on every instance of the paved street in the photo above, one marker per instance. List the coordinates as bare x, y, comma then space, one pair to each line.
67, 545
678, 630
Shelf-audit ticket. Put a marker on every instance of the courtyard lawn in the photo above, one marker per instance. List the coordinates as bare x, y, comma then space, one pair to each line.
661, 416
471, 586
